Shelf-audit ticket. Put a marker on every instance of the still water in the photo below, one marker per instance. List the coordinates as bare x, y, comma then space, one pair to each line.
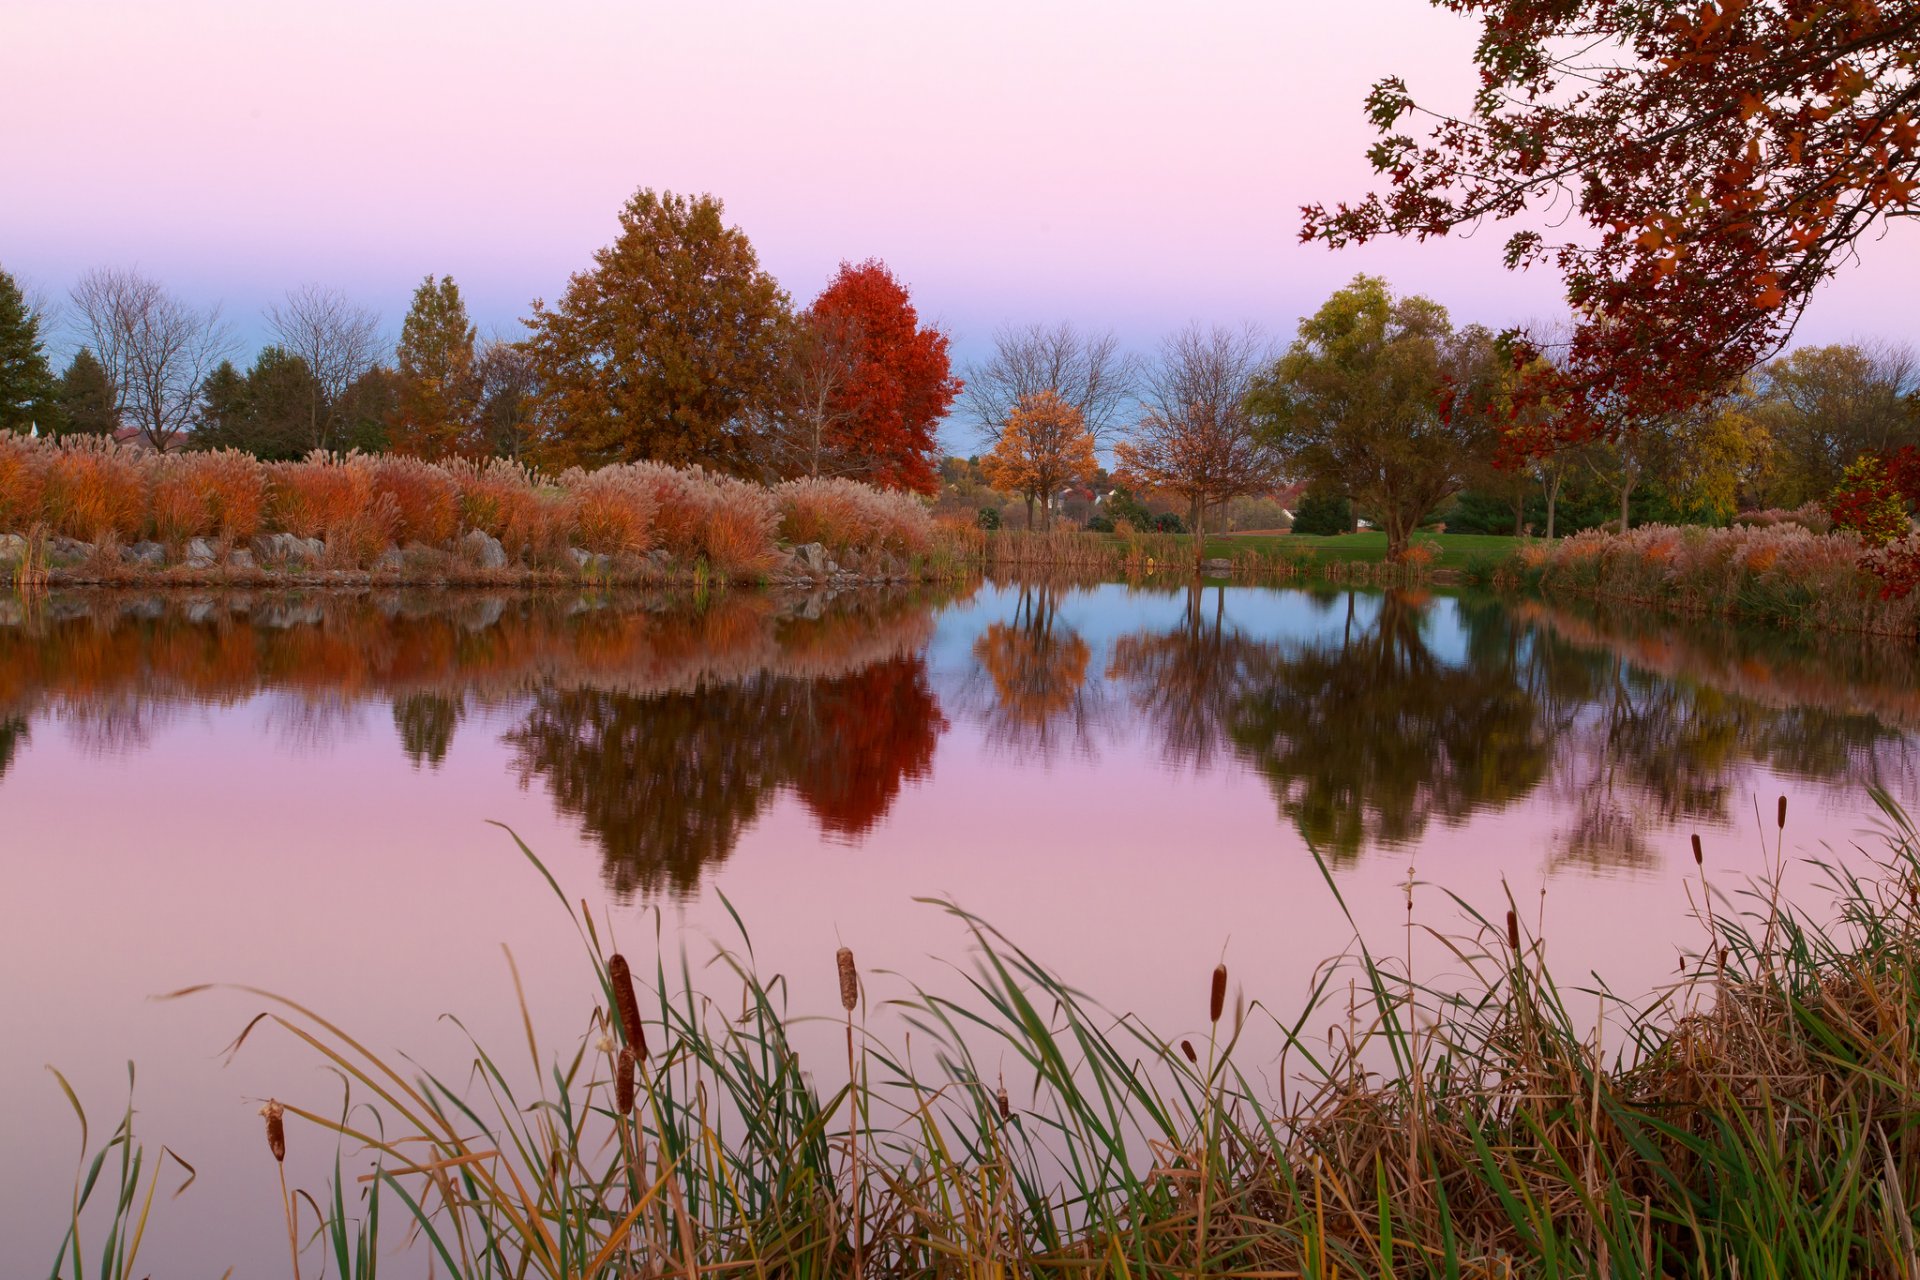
295, 791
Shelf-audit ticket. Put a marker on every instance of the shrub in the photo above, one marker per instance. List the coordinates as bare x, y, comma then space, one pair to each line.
1099, 524
989, 519
613, 510
1169, 522
1322, 514
95, 490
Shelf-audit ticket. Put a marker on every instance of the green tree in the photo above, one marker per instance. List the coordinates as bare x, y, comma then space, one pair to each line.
264, 412
84, 399
1381, 400
668, 348
26, 383
435, 414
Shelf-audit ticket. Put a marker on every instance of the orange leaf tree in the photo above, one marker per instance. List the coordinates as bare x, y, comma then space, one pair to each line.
898, 381
1045, 447
1724, 156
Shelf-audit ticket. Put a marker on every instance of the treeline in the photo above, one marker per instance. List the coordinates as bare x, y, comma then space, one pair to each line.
675, 346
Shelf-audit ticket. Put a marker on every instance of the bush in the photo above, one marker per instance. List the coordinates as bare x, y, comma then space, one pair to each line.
1100, 523
1323, 515
988, 518
1168, 522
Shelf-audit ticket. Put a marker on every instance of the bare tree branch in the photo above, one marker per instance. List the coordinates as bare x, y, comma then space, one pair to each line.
339, 342
157, 350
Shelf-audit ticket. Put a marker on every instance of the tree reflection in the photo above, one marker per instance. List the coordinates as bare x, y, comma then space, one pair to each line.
1187, 683
426, 722
1041, 702
1368, 740
666, 784
13, 736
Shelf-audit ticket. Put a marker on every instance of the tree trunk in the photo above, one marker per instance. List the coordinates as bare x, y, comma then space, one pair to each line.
1553, 500
1396, 537
1029, 512
1626, 496
1520, 518
1199, 534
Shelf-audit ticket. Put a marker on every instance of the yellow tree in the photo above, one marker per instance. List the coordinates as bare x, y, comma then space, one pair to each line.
1045, 447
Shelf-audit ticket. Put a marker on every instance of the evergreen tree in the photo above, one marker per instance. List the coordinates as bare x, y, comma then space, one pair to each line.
84, 400
263, 411
435, 415
26, 383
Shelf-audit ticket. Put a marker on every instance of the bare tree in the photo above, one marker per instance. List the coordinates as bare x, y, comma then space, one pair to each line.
817, 364
339, 342
1195, 437
507, 388
1087, 370
158, 351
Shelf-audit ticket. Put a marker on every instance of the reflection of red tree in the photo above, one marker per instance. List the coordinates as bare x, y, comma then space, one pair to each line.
874, 730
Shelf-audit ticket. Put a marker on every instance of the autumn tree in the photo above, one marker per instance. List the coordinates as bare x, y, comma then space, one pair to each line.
1380, 399
1825, 406
337, 341
1195, 438
1722, 160
1087, 370
802, 426
434, 412
84, 399
897, 382
157, 350
26, 383
1045, 446
668, 348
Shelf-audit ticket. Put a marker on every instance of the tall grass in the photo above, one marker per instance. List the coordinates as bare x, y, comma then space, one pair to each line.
1757, 1118
1781, 574
361, 506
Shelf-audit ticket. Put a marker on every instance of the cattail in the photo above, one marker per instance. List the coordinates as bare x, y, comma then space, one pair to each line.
1006, 1107
625, 1001
623, 1083
1780, 819
1723, 958
1698, 858
1186, 1047
1218, 1001
849, 980
276, 1130
1513, 929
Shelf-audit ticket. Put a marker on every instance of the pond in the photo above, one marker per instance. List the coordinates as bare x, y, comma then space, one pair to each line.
295, 792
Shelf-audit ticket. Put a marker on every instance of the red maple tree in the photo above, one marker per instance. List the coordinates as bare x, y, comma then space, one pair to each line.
1721, 158
900, 383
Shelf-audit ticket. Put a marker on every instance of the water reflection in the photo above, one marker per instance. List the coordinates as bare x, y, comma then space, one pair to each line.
665, 729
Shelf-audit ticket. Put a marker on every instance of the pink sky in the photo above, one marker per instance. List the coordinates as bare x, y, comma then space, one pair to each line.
1124, 165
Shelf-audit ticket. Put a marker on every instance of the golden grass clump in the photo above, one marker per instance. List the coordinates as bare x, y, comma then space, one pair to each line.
613, 510
681, 502
317, 494
844, 515
742, 521
220, 493
95, 490
23, 482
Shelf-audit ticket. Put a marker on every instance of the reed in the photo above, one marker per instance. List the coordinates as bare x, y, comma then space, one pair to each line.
1756, 1118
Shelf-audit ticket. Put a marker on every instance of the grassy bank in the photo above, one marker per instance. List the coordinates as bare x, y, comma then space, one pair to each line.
1780, 575
1755, 1119
1357, 557
87, 510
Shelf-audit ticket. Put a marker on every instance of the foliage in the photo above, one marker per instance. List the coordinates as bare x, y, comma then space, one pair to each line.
263, 412
1169, 522
989, 518
26, 383
1044, 446
1723, 160
1380, 399
84, 401
1323, 514
1868, 503
899, 382
1822, 407
667, 349
435, 414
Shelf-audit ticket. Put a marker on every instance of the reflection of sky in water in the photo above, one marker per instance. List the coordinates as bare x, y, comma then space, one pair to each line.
226, 812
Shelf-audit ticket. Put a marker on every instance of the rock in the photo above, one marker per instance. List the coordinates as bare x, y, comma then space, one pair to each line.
285, 548
659, 561
13, 546
591, 564
1218, 568
151, 554
391, 561
484, 549
240, 559
811, 558
69, 549
201, 554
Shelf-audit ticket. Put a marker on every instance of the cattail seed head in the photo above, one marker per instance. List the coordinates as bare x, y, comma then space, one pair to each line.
1186, 1047
849, 980
1699, 859
623, 1083
1218, 999
1006, 1107
627, 1004
1723, 957
276, 1130
1780, 819
1513, 929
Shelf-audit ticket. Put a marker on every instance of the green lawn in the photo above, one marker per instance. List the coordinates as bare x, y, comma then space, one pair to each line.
1456, 549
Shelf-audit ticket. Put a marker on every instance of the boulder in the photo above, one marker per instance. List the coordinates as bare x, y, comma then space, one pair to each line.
240, 559
484, 549
1218, 568
590, 563
13, 546
811, 558
285, 548
392, 560
151, 554
201, 554
70, 549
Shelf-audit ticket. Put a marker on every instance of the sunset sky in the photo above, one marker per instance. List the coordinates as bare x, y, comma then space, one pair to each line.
1124, 165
